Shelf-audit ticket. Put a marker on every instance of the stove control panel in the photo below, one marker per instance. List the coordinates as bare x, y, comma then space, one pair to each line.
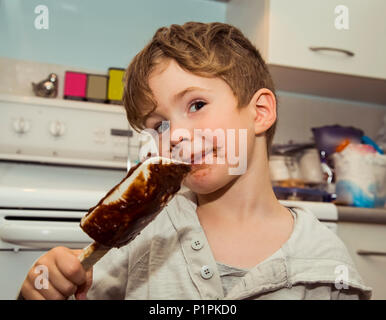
66, 132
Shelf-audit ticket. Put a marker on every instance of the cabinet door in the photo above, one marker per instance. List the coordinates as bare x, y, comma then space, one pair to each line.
370, 238
296, 26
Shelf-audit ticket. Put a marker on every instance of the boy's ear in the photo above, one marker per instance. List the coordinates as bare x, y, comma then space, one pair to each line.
263, 106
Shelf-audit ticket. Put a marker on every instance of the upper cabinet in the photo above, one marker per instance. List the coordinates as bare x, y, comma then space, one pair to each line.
339, 36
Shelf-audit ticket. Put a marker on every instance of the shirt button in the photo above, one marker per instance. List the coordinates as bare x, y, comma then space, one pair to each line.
206, 272
197, 244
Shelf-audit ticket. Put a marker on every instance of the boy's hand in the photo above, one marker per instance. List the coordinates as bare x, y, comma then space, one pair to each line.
57, 275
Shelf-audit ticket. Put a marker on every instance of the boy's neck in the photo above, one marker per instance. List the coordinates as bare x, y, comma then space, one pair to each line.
249, 195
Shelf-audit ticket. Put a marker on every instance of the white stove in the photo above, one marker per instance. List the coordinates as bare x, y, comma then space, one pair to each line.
57, 159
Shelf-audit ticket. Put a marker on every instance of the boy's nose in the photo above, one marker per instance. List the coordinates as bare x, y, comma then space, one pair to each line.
178, 134
178, 143
174, 142
180, 139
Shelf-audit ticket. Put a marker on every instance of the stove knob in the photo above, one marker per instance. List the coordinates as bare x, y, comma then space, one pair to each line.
57, 128
21, 125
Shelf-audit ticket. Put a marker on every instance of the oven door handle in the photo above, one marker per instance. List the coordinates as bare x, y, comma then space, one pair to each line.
43, 234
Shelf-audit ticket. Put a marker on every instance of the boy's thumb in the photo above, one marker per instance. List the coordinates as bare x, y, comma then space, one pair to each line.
81, 292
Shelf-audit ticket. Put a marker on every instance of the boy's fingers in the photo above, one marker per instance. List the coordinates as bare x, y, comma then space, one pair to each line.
35, 289
81, 292
71, 268
59, 275
29, 293
61, 283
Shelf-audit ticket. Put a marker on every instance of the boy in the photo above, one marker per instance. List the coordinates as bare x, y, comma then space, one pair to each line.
227, 237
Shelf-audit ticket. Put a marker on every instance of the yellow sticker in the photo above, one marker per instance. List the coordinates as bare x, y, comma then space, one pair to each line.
115, 89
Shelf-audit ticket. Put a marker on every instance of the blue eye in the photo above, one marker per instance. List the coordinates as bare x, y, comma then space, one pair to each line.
161, 127
195, 106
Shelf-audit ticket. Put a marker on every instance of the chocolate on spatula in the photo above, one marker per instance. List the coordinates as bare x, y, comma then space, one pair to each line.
131, 205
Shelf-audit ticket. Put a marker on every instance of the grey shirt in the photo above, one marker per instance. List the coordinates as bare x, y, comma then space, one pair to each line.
171, 259
230, 275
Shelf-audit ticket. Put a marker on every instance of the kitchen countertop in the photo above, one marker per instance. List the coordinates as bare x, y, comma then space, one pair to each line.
361, 215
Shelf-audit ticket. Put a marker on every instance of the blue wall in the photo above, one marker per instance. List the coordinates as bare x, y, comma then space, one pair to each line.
93, 34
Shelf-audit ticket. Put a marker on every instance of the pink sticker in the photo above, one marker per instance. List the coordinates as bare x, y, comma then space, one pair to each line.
75, 84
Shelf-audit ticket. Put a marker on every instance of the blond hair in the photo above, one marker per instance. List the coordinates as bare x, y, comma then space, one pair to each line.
204, 49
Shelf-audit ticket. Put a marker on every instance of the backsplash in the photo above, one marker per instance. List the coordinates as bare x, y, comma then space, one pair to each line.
16, 75
93, 34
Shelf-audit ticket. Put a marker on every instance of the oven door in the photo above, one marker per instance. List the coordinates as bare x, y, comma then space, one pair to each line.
25, 235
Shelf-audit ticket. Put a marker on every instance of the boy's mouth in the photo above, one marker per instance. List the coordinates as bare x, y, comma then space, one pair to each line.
199, 158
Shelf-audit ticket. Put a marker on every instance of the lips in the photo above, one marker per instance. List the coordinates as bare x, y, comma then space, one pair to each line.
198, 158
194, 158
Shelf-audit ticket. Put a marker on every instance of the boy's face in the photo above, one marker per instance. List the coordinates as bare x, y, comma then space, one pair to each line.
195, 107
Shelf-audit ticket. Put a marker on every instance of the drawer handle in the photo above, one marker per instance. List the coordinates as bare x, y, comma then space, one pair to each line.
347, 52
371, 253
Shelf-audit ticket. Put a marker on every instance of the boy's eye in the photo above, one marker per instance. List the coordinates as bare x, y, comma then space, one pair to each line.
195, 106
162, 126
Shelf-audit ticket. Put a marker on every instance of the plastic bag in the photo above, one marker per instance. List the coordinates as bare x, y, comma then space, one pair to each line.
381, 136
360, 174
328, 138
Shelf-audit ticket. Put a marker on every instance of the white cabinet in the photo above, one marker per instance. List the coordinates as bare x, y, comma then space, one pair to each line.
286, 32
370, 239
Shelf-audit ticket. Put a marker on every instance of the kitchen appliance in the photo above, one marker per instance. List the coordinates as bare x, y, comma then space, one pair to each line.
296, 165
310, 166
278, 169
58, 158
284, 168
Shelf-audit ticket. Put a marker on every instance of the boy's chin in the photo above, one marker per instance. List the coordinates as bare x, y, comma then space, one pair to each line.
198, 189
205, 181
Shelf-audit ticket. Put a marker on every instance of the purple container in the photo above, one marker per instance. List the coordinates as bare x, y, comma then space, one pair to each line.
327, 138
